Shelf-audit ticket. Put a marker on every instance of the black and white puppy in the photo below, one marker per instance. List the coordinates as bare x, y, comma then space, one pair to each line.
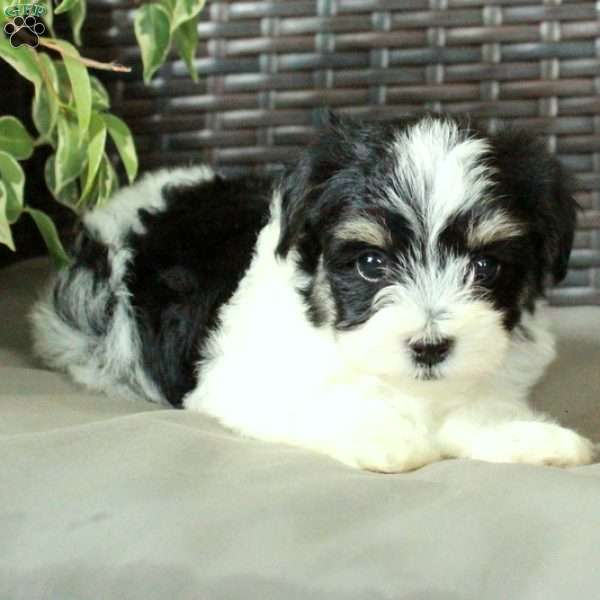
381, 303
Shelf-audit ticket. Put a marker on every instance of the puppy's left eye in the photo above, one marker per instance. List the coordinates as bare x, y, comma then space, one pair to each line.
485, 269
371, 265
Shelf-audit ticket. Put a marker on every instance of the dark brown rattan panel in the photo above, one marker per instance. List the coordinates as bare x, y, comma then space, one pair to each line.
267, 66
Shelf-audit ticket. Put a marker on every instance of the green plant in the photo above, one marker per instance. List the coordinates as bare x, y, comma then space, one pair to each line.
71, 110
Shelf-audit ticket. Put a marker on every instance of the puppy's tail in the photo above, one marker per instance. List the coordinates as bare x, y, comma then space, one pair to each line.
85, 325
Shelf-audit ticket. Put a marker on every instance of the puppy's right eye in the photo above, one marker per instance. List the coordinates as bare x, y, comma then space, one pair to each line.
371, 265
486, 269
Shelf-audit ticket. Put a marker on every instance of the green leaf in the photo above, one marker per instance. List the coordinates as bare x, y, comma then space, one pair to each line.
68, 195
186, 10
121, 136
65, 6
169, 6
22, 59
95, 151
107, 181
13, 178
14, 138
76, 18
186, 42
5, 234
100, 97
80, 85
45, 103
70, 154
64, 84
48, 230
153, 32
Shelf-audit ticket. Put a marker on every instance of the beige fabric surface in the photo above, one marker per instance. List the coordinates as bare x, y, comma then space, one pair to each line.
107, 499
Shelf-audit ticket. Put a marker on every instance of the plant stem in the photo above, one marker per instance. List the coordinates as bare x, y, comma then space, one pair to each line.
88, 62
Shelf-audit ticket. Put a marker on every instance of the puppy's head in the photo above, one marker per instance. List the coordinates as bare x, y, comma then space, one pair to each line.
423, 242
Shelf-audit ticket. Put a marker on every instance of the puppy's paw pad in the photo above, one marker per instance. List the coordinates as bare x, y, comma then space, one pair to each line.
536, 443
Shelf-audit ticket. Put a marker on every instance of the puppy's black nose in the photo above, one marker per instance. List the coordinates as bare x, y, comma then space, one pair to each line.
431, 353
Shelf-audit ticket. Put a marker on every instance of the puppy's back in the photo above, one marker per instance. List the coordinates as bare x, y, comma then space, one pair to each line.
149, 273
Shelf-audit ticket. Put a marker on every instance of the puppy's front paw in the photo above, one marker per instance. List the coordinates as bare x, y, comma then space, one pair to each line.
388, 450
533, 442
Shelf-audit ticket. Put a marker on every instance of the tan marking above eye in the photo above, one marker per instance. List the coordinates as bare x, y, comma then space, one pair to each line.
365, 230
494, 228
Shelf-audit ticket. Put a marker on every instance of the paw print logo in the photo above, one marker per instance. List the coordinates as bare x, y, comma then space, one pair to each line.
30, 29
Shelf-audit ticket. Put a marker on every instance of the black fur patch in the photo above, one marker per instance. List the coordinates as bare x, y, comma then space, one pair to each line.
91, 254
186, 265
534, 187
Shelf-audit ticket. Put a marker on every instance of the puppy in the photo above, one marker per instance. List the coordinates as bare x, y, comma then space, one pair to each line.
381, 303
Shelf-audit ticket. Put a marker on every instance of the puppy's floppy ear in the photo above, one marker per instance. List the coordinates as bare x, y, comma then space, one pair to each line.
294, 190
542, 191
300, 184
561, 221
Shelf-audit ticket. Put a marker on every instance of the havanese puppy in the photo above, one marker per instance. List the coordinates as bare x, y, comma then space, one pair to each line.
381, 302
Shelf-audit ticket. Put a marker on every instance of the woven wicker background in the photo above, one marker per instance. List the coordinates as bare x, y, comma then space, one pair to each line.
267, 66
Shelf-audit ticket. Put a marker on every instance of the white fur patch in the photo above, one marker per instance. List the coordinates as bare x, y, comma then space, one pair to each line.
444, 171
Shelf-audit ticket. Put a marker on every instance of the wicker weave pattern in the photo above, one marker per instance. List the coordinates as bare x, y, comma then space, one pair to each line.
267, 66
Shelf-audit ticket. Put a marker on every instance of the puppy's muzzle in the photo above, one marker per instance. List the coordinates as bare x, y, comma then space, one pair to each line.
428, 353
